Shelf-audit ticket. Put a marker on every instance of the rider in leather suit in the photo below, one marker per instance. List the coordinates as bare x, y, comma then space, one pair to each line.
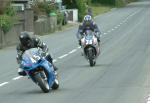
88, 24
27, 42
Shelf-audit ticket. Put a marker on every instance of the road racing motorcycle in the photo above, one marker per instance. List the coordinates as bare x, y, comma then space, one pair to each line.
90, 46
39, 69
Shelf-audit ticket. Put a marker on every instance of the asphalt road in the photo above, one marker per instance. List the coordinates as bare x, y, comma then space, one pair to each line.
121, 75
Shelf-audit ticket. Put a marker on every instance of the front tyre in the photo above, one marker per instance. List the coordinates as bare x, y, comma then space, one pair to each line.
43, 84
55, 85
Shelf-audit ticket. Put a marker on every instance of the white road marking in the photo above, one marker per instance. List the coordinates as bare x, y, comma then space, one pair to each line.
148, 100
74, 50
54, 60
105, 33
63, 56
124, 21
116, 27
109, 31
112, 29
2, 84
79, 47
16, 78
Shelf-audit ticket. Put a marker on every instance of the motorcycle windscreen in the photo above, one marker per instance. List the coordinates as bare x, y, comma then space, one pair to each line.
30, 57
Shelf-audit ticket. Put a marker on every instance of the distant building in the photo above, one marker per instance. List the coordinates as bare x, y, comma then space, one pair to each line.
20, 5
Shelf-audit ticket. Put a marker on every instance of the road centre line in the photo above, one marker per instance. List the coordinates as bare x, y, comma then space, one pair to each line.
16, 78
112, 29
148, 100
63, 56
109, 31
55, 60
78, 47
116, 27
74, 50
4, 83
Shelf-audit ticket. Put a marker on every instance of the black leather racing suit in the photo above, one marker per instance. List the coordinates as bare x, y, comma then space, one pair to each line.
35, 42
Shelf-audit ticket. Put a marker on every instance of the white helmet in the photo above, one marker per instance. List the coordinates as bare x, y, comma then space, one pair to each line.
87, 18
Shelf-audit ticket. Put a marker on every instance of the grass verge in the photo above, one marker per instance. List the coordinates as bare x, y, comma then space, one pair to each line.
100, 9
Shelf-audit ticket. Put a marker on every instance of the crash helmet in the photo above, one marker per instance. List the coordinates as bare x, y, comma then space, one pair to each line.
25, 39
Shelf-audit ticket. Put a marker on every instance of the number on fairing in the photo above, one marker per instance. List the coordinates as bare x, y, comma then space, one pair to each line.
33, 61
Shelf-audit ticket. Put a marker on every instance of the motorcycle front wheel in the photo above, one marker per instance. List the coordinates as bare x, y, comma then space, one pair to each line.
43, 84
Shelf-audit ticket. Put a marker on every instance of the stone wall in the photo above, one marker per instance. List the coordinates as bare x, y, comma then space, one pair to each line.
11, 37
27, 23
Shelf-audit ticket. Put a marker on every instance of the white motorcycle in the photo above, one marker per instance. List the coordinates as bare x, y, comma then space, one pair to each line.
90, 46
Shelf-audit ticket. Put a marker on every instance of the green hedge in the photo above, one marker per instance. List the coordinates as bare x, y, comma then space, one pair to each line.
106, 2
6, 23
81, 5
6, 19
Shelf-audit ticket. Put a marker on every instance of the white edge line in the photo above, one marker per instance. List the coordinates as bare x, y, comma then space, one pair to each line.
4, 83
16, 78
63, 56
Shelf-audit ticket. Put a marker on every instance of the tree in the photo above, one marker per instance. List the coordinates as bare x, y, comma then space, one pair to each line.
3, 5
79, 4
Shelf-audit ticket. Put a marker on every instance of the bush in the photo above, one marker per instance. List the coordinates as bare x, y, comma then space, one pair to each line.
60, 17
6, 17
106, 2
5, 23
81, 5
45, 7
10, 11
120, 3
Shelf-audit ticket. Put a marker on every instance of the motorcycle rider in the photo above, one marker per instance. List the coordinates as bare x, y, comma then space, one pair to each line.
26, 42
88, 24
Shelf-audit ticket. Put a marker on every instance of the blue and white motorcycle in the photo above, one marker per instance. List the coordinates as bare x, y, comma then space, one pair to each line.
39, 69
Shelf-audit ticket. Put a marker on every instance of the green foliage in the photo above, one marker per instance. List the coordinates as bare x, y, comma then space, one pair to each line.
10, 11
120, 3
106, 2
81, 5
60, 17
70, 3
5, 23
6, 17
47, 8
